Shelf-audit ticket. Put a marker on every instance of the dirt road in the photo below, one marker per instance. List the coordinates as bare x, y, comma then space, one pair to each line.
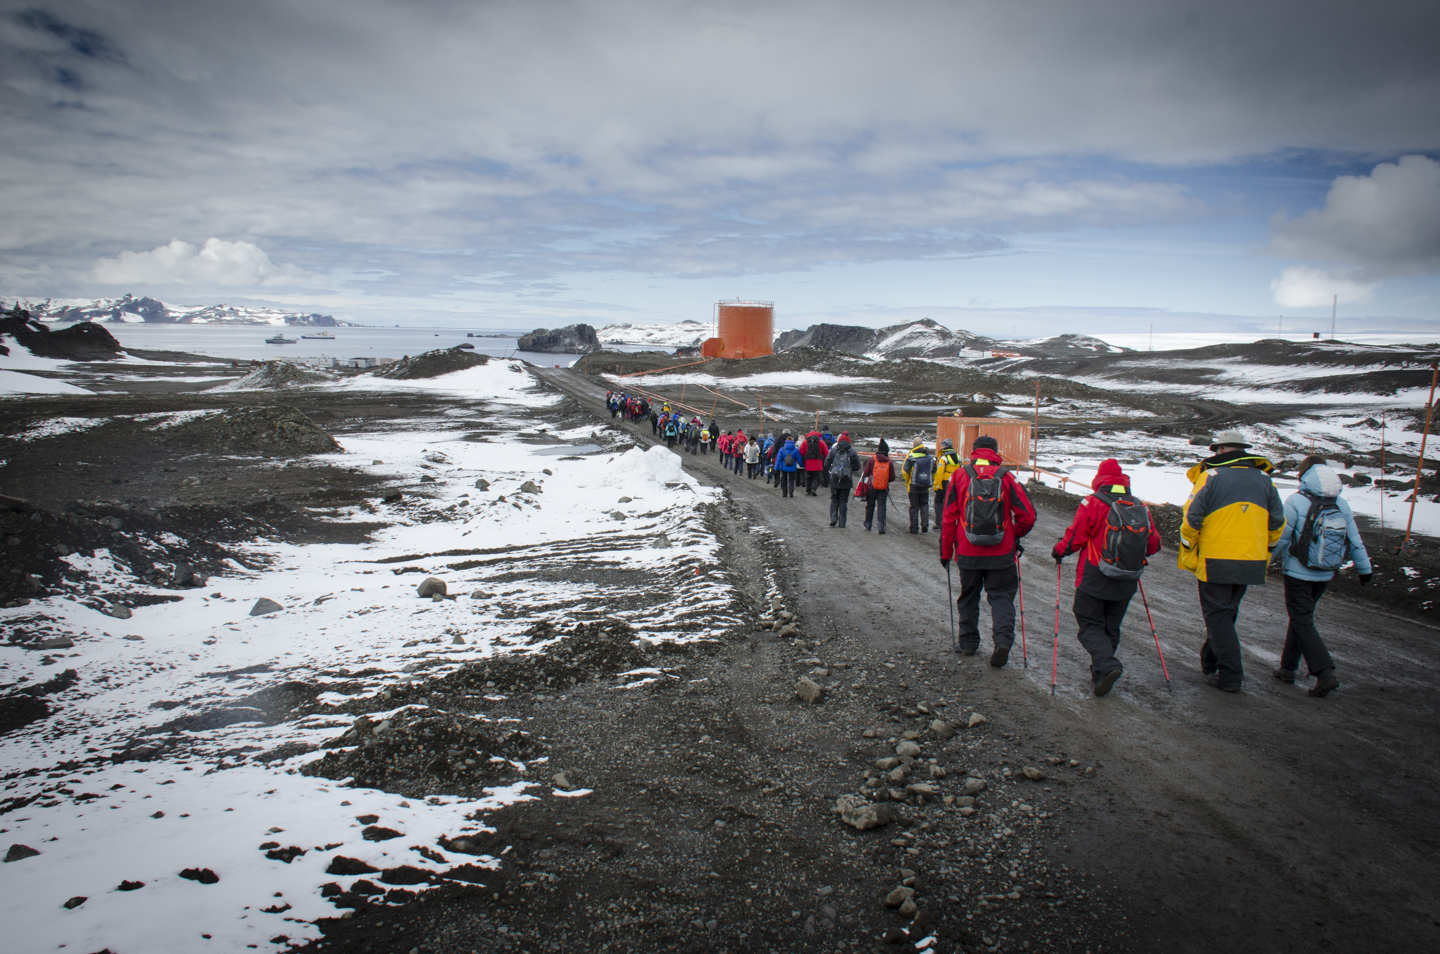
1261, 821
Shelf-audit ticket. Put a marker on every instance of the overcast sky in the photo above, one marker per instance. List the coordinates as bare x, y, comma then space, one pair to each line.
1058, 166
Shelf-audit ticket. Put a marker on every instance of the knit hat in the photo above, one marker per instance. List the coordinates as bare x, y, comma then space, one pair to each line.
884, 448
947, 442
987, 442
845, 436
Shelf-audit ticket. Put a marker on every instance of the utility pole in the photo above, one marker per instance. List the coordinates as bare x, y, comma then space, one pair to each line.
1152, 336
1420, 466
1334, 304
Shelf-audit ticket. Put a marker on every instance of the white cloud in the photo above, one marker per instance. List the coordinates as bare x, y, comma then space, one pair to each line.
216, 263
1386, 223
1301, 286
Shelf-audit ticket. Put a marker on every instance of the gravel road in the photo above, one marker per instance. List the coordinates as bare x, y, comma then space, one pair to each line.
1261, 821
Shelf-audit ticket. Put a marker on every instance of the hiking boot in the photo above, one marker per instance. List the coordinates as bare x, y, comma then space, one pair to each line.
1000, 657
1213, 680
1105, 680
966, 652
1325, 681
882, 533
1284, 675
832, 523
914, 531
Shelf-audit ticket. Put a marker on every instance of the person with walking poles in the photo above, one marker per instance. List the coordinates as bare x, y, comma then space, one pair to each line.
946, 464
919, 469
1114, 534
1320, 536
1232, 520
879, 471
842, 464
986, 515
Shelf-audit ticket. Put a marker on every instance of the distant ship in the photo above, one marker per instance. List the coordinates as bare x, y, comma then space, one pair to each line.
320, 336
279, 339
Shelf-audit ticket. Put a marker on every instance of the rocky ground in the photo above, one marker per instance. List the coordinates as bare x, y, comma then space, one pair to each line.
819, 774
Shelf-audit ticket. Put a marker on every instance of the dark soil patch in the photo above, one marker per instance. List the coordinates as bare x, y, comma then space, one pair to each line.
276, 429
432, 364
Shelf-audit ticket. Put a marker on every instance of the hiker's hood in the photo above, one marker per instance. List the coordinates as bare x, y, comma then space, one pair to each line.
921, 451
985, 455
1109, 475
881, 457
842, 445
1321, 481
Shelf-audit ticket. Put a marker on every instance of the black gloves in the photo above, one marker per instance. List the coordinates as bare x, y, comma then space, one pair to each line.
1057, 554
945, 563
1019, 551
1365, 578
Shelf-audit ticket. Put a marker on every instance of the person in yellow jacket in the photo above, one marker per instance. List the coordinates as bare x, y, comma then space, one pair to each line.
1232, 520
945, 466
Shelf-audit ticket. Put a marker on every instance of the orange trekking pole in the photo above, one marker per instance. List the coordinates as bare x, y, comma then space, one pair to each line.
1020, 582
1055, 659
1158, 650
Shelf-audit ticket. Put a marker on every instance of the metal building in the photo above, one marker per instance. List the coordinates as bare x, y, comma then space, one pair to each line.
1014, 437
743, 329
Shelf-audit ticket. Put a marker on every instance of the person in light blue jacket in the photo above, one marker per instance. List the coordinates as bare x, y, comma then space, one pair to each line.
1308, 573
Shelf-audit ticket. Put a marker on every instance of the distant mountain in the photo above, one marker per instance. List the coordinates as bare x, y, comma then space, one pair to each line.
913, 339
130, 309
682, 334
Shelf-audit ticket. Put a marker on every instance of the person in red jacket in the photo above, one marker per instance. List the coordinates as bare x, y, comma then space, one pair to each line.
814, 449
1101, 600
983, 534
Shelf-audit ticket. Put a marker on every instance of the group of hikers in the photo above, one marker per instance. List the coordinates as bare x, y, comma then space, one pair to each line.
1233, 523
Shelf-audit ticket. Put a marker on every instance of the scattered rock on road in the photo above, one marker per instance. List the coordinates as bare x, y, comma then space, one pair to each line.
809, 690
860, 814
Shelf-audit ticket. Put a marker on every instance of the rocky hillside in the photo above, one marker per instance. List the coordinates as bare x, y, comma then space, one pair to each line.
81, 342
573, 339
913, 339
129, 309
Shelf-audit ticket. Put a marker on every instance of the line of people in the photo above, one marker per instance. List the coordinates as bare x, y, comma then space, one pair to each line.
1233, 524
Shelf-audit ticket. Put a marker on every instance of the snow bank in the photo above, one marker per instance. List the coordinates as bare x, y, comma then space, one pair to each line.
17, 382
640, 470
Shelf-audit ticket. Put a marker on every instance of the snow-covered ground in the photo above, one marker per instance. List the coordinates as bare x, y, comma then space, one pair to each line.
346, 610
682, 334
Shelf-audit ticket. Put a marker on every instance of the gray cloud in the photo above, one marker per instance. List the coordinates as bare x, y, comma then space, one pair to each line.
1386, 223
444, 143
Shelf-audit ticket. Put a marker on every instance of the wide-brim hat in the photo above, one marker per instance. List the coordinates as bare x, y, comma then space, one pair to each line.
1231, 438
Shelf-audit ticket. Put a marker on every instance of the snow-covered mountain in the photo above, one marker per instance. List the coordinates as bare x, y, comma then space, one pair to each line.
925, 338
130, 309
682, 334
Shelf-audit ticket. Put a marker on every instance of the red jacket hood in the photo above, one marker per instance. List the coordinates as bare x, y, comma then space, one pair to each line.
985, 455
1109, 474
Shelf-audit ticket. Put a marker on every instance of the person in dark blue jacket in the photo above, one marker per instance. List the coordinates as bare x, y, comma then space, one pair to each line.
1304, 582
787, 463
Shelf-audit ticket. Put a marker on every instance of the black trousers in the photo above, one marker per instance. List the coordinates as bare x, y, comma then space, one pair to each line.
1220, 605
839, 504
1099, 630
812, 480
939, 505
920, 510
787, 483
875, 503
1000, 586
1302, 637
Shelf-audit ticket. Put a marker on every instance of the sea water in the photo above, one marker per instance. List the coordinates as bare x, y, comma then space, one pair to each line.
247, 342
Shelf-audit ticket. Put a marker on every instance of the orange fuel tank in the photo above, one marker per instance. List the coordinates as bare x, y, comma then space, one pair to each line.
745, 329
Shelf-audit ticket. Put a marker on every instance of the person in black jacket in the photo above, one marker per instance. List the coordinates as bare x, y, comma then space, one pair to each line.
842, 464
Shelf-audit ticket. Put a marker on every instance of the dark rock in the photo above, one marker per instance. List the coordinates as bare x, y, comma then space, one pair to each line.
432, 364
377, 833
393, 496
482, 484
202, 875
58, 642
264, 607
286, 855
367, 819
85, 341
572, 339
341, 865
20, 853
431, 586
75, 902
130, 886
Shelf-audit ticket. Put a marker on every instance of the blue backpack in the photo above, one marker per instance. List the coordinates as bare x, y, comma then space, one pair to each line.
1324, 538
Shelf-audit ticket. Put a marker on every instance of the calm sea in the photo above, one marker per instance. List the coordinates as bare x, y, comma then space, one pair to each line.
244, 342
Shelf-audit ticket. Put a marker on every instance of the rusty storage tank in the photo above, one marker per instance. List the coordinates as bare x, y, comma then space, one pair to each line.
744, 329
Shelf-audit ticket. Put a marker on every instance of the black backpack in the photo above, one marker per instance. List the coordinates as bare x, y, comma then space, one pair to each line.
840, 469
1324, 539
1127, 537
812, 448
922, 472
984, 511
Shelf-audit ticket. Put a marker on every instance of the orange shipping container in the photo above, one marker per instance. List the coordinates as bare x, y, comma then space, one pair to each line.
1013, 436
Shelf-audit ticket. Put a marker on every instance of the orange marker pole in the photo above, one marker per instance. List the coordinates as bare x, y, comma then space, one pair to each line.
1420, 465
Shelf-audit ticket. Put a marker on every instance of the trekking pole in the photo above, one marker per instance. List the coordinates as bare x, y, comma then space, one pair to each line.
1020, 582
1158, 650
954, 640
1055, 659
